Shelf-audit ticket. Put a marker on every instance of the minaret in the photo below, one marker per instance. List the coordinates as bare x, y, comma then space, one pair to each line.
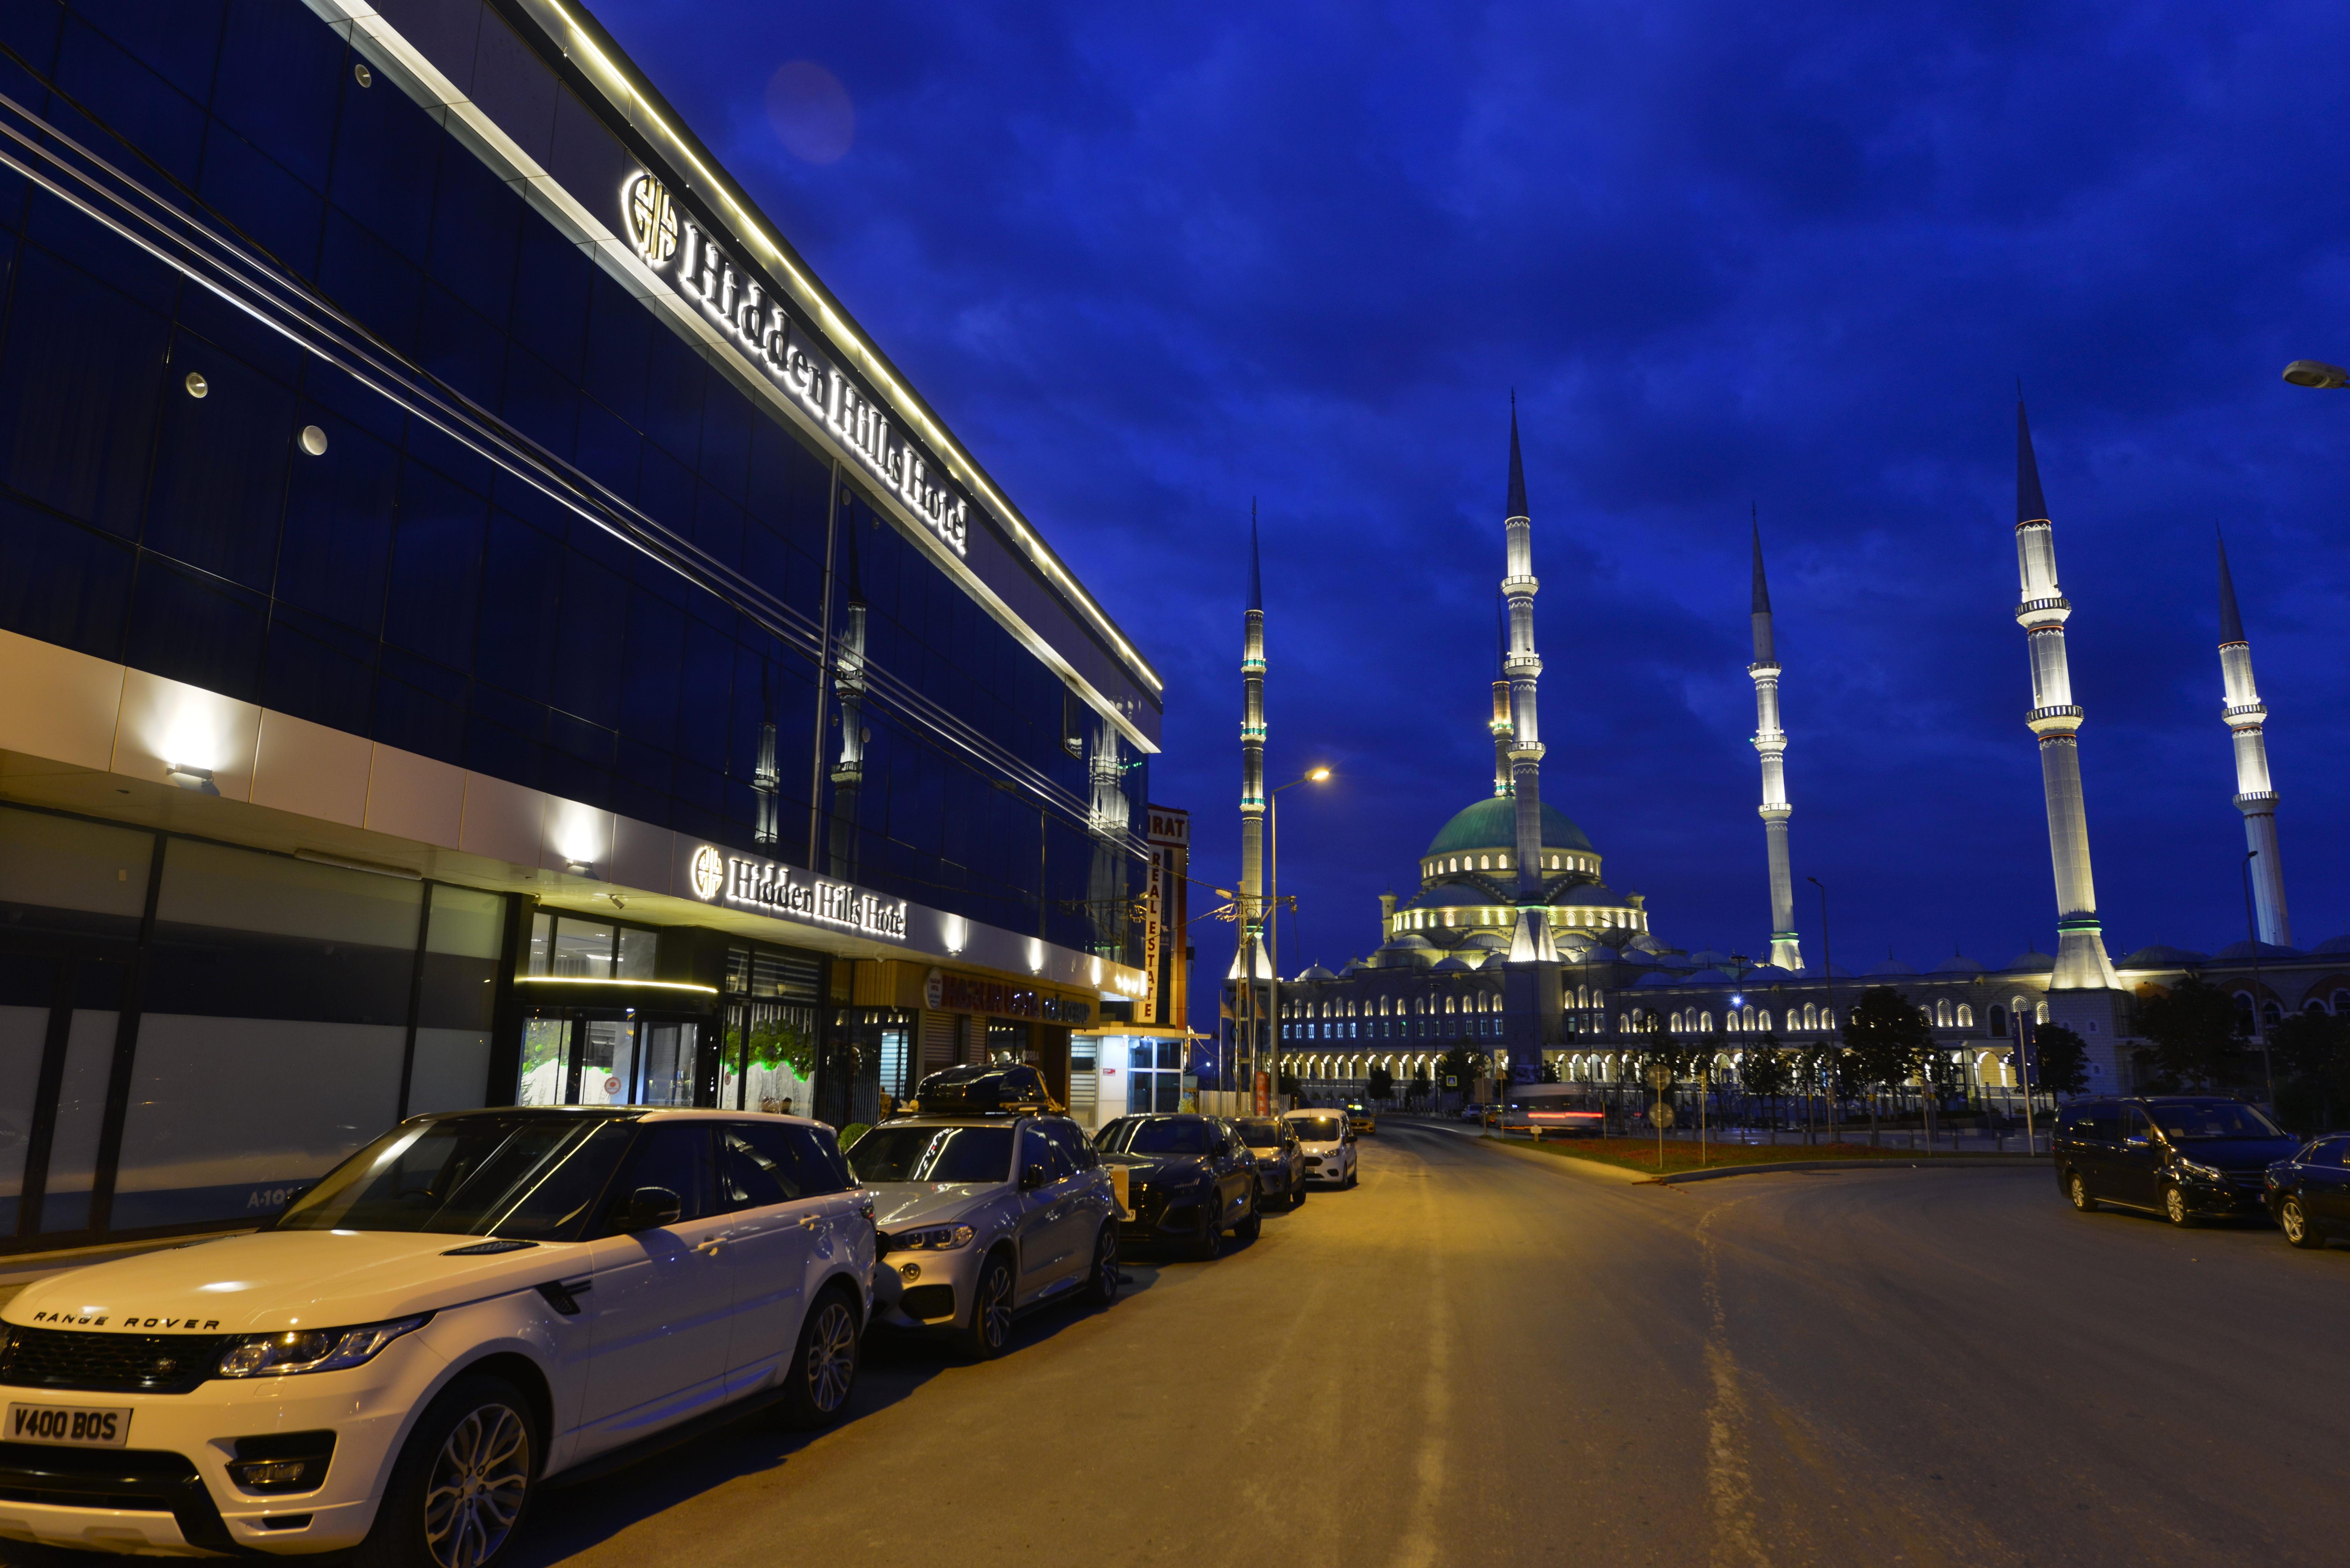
1771, 743
1533, 941
2255, 797
1252, 741
2055, 718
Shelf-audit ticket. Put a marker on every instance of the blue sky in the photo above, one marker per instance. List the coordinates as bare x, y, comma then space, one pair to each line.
1152, 263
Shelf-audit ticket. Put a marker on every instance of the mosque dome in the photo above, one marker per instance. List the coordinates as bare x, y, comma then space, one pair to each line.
1892, 966
2032, 960
1492, 824
1958, 963
1316, 972
2332, 945
2161, 956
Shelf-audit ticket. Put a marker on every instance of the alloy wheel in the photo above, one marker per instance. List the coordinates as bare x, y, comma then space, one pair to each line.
2293, 1220
1106, 1278
481, 1478
2174, 1205
995, 1307
831, 1356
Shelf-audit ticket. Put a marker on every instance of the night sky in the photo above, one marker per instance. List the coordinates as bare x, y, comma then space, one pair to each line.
1151, 262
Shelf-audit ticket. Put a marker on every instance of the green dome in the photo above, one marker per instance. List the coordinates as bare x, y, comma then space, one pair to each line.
1492, 824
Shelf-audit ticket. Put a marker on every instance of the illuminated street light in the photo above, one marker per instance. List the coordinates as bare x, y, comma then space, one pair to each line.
2316, 373
1273, 945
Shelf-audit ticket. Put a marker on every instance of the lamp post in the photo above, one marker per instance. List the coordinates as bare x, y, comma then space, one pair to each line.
1272, 942
1827, 952
2317, 375
2253, 940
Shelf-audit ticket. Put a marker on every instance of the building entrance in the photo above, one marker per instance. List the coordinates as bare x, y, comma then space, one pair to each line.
59, 1019
588, 1056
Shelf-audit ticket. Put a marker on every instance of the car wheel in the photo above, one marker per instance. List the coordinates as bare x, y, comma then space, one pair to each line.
2293, 1220
463, 1483
1352, 1173
2174, 1206
1209, 1244
1297, 1193
1102, 1289
987, 1332
823, 1368
2077, 1190
1252, 1227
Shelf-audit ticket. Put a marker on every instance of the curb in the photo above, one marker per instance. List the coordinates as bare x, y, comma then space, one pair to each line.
1959, 1162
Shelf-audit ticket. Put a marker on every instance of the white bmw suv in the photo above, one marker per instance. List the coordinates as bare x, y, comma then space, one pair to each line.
463, 1308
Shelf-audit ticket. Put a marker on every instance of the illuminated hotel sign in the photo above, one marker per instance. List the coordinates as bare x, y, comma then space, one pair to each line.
772, 889
738, 305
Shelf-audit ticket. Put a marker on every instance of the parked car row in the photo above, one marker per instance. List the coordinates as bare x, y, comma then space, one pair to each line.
2199, 1157
478, 1301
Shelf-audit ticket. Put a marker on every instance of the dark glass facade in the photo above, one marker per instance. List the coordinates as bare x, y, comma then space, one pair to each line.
399, 584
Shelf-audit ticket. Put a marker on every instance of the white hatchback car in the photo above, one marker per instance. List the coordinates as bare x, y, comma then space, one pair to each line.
1328, 1143
463, 1308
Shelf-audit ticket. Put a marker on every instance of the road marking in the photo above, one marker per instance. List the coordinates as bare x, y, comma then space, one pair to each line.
1417, 1548
1729, 1484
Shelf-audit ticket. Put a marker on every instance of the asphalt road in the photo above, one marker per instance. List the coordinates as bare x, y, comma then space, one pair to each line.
1483, 1356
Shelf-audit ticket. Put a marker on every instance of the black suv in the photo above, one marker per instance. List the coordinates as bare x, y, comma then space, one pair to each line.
1190, 1179
2183, 1157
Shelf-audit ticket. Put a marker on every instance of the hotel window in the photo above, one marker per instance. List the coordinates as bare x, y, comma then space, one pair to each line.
565, 947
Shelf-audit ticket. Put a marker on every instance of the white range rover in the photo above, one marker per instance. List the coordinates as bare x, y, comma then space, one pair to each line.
466, 1306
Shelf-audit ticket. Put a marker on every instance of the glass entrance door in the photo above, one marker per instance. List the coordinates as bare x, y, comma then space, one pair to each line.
586, 1058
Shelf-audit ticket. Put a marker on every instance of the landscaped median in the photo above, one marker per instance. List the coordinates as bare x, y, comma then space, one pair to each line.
1681, 1161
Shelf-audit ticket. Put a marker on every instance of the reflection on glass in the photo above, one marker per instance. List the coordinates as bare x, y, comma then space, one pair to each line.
583, 950
668, 1051
767, 1059
543, 1061
608, 1061
637, 954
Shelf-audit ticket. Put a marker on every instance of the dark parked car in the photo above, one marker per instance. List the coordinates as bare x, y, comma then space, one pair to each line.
2184, 1157
1280, 1157
2309, 1195
1190, 1179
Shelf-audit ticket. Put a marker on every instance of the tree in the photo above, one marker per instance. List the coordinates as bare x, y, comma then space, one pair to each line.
1419, 1084
2192, 1029
2060, 1059
1381, 1084
1550, 1071
2313, 1051
1888, 1039
1458, 1065
1765, 1072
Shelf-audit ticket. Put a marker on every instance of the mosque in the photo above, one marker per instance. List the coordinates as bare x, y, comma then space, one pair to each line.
1516, 947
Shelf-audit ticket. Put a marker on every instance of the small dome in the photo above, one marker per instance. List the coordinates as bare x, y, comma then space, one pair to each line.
1314, 972
1453, 964
2161, 956
1813, 972
1711, 977
1354, 966
2245, 950
2032, 960
1492, 941
1411, 939
2332, 945
1657, 977
1708, 958
1957, 963
1675, 960
1648, 944
1765, 973
1492, 824
1635, 955
1892, 966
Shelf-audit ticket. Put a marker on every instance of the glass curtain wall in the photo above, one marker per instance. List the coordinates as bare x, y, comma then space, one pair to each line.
390, 582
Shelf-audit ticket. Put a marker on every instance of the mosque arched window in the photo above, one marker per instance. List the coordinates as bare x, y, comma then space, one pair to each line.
1827, 1018
1942, 1013
2341, 1002
1765, 1016
1966, 1016
1998, 1019
1705, 1023
2039, 1013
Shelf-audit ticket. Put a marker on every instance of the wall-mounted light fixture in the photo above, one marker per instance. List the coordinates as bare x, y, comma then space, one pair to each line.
196, 384
189, 777
314, 440
580, 867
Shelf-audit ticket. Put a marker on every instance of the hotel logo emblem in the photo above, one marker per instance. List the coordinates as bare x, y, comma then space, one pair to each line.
709, 872
653, 219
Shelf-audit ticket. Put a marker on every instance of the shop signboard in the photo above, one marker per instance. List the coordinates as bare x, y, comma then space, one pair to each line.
947, 992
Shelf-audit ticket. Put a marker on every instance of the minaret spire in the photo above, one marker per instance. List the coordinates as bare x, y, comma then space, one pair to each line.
2255, 796
1532, 941
1771, 743
2055, 718
1252, 739
1500, 723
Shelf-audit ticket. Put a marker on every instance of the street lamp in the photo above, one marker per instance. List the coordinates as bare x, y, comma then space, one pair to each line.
2316, 373
1273, 945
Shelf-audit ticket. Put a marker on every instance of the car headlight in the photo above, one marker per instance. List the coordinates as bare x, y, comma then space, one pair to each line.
932, 1238
313, 1349
2202, 1172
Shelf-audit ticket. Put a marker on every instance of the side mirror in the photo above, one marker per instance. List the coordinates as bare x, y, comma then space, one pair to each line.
1032, 1178
649, 1208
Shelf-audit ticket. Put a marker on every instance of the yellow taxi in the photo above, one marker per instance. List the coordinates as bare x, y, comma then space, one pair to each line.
1359, 1120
